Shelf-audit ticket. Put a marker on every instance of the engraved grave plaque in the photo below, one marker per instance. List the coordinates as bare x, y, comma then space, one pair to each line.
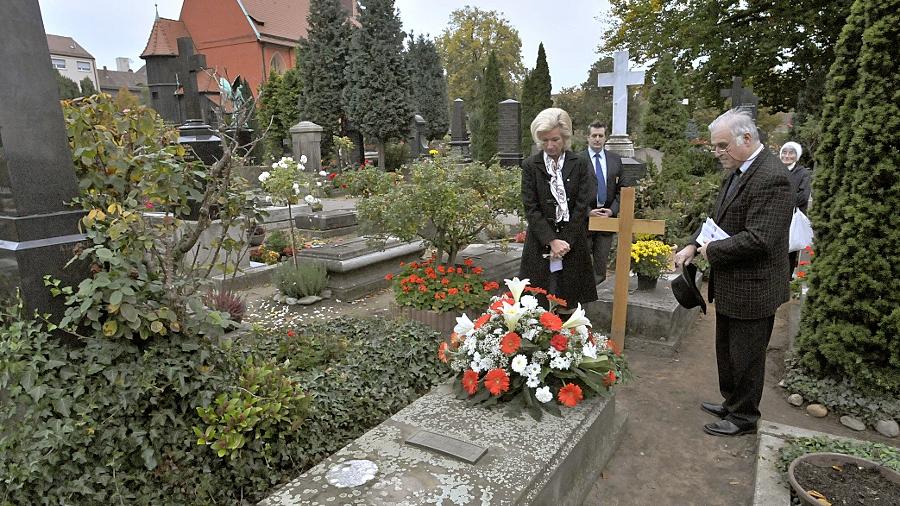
447, 445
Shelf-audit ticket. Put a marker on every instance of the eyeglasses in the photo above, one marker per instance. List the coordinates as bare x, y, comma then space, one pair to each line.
721, 147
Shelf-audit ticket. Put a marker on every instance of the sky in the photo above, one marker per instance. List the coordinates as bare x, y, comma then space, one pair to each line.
111, 28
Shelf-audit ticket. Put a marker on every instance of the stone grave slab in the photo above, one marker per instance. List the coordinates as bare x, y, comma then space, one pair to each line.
497, 263
655, 322
278, 218
356, 267
326, 223
555, 461
205, 251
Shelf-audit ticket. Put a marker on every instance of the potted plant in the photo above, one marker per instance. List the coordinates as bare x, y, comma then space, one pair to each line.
836, 478
431, 293
520, 353
648, 259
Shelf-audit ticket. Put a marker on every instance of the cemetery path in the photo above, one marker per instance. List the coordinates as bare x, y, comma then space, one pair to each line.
665, 457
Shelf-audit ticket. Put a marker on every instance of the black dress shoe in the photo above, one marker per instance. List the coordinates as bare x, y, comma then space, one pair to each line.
727, 428
714, 409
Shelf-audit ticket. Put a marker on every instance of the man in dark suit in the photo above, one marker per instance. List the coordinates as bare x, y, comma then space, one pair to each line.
608, 171
747, 269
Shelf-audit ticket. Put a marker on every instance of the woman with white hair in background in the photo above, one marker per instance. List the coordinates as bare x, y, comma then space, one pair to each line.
800, 186
558, 188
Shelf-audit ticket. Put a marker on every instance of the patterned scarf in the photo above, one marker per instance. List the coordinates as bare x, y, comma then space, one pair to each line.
558, 189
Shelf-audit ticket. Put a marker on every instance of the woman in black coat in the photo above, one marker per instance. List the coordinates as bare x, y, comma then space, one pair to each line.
558, 188
800, 185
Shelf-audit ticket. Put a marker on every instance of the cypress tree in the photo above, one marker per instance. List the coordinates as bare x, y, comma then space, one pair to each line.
491, 93
536, 96
428, 85
851, 319
321, 60
277, 109
68, 89
87, 87
666, 118
377, 93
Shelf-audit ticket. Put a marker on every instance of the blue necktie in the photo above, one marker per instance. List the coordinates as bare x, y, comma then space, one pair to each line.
601, 181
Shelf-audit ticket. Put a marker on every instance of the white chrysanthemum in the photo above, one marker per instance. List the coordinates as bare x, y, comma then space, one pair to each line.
553, 352
576, 319
530, 333
529, 302
303, 158
533, 382
476, 362
323, 173
464, 325
589, 350
516, 286
265, 175
532, 370
543, 394
486, 364
519, 363
561, 363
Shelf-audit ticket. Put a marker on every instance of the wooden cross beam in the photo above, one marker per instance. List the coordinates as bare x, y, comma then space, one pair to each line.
626, 226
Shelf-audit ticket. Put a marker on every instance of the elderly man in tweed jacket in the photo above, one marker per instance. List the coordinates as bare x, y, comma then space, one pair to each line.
747, 270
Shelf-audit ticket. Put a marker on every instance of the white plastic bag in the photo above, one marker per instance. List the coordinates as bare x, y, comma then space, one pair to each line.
801, 232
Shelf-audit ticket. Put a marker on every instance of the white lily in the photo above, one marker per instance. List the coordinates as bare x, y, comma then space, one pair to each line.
576, 319
516, 286
511, 315
464, 325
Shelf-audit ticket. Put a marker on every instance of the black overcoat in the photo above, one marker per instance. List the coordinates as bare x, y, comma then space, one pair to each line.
577, 278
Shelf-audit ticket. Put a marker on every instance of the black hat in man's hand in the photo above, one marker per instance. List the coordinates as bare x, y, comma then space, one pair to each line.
685, 289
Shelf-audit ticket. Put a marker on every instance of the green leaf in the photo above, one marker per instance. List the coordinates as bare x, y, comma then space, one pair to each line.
149, 458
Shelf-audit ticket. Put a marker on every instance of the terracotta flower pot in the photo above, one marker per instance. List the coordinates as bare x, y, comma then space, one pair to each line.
830, 461
441, 321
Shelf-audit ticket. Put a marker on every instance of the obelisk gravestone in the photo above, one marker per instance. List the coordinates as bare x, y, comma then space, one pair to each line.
38, 230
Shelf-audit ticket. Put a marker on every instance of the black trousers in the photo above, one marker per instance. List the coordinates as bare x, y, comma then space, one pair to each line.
600, 246
793, 261
741, 359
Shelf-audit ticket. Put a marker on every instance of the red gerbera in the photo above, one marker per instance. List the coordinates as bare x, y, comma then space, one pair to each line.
570, 395
389, 276
559, 342
469, 262
482, 320
614, 347
510, 343
496, 381
470, 381
557, 300
610, 379
535, 290
442, 351
478, 270
551, 322
801, 274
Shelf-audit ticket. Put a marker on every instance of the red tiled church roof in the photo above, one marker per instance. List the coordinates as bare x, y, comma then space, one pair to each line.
282, 20
164, 38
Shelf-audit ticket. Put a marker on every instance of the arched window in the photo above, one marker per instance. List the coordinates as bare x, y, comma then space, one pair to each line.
276, 63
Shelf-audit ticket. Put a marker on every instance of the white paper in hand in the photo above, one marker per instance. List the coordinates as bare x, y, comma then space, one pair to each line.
711, 232
555, 264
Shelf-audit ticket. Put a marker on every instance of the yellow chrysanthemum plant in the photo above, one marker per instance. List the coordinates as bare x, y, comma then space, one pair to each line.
650, 257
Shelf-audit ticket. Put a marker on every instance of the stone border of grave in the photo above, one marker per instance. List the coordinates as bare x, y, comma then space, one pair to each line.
769, 489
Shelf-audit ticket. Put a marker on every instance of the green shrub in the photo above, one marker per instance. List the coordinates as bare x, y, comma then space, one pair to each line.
304, 279
112, 421
277, 240
395, 155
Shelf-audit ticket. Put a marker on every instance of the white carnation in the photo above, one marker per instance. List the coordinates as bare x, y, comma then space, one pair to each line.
533, 369
533, 382
486, 363
543, 394
561, 363
519, 363
528, 302
589, 350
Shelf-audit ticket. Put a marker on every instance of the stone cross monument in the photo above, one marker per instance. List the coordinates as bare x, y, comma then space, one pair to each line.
741, 97
38, 230
619, 80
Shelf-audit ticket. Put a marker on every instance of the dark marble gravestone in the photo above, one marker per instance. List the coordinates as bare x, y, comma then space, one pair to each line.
509, 136
459, 136
38, 230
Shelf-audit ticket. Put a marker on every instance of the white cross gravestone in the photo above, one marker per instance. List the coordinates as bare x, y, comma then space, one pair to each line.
619, 80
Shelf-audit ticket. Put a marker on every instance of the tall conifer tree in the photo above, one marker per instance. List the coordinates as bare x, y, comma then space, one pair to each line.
428, 85
536, 96
491, 93
851, 319
321, 60
377, 93
667, 117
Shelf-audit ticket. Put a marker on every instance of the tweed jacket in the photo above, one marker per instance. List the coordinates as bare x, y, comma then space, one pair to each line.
749, 270
576, 284
613, 179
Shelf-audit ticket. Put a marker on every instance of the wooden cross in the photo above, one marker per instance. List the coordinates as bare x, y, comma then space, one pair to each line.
625, 225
